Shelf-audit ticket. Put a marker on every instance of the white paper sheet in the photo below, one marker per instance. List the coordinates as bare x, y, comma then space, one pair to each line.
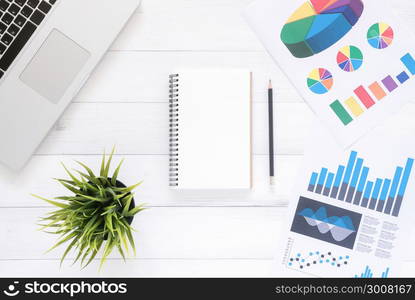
267, 18
214, 129
352, 232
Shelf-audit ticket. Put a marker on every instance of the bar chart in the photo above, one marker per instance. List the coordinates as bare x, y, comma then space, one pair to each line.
368, 273
351, 183
365, 98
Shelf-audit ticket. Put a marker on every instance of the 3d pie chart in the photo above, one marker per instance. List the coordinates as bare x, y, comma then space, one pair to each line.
318, 24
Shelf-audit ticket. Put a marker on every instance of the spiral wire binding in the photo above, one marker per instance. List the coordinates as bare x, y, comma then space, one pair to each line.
174, 130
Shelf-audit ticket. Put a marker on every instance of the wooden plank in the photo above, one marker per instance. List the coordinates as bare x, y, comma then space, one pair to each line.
143, 76
153, 170
140, 268
153, 268
142, 128
167, 233
190, 25
162, 233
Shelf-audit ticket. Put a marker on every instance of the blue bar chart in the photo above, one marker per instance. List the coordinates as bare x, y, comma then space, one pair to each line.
368, 273
351, 184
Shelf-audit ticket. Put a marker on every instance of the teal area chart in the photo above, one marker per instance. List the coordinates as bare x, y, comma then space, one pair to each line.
326, 222
318, 24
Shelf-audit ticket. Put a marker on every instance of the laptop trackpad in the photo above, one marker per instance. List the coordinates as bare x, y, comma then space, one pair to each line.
55, 66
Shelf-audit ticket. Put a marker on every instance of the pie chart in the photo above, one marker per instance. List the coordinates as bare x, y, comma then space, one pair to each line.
380, 35
318, 24
349, 58
320, 81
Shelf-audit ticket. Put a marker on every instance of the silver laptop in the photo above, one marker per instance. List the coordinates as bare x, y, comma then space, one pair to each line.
48, 49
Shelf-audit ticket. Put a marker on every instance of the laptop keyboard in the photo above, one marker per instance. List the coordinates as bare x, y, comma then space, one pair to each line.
19, 19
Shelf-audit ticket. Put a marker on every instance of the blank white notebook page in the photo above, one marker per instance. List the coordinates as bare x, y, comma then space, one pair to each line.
214, 133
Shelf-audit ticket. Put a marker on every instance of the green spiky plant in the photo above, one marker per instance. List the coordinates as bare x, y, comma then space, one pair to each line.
97, 215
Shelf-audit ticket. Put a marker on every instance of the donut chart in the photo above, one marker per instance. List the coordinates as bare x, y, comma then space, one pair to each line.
380, 35
349, 58
320, 81
318, 24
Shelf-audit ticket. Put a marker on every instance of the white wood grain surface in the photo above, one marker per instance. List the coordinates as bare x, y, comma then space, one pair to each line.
125, 104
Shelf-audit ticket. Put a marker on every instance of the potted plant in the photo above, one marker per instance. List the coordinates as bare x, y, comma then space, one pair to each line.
96, 215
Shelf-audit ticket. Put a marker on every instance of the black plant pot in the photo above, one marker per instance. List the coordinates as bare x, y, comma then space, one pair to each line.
132, 205
129, 220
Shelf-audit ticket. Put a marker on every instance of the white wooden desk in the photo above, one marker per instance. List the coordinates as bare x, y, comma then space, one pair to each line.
125, 103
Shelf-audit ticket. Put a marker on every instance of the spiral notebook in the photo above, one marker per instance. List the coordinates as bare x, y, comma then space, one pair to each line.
210, 129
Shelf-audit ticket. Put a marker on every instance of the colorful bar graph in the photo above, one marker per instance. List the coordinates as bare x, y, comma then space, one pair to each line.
377, 90
366, 195
389, 83
347, 175
383, 194
409, 62
354, 107
403, 77
375, 194
341, 112
364, 97
350, 183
